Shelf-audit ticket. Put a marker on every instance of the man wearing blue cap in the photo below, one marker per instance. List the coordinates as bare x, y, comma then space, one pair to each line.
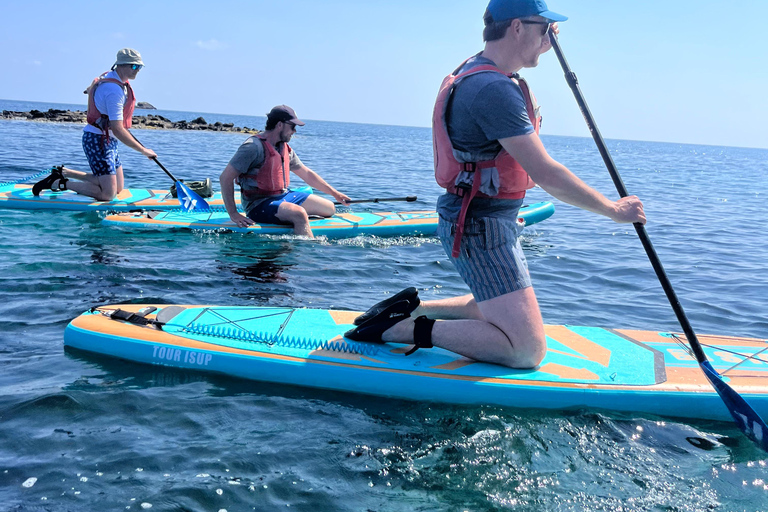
487, 154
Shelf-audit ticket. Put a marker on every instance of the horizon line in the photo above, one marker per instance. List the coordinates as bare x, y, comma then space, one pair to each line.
407, 126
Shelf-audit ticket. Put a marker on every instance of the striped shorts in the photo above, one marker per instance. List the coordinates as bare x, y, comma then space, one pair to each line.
490, 260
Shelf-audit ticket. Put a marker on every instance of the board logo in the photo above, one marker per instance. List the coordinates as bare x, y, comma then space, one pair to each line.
177, 355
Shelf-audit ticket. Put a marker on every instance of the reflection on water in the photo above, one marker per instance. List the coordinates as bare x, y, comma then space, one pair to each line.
257, 261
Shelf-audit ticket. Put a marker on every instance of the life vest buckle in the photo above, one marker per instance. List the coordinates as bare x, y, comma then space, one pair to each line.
465, 186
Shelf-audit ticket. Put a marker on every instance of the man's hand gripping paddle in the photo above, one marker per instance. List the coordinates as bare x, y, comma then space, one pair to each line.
743, 414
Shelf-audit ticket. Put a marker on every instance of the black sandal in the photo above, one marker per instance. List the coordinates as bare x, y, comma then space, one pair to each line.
62, 186
47, 182
372, 329
409, 294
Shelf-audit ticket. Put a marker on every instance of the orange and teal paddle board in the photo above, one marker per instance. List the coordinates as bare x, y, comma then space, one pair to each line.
338, 226
647, 372
20, 197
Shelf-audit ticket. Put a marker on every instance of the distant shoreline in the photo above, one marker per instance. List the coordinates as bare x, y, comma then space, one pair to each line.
150, 121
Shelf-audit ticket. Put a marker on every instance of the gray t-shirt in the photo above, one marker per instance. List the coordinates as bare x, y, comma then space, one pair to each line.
483, 108
248, 160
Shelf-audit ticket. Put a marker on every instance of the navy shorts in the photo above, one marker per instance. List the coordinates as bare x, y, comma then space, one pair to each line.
101, 153
266, 211
490, 260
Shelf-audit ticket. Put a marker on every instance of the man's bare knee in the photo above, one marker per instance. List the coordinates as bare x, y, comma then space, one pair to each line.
294, 214
525, 354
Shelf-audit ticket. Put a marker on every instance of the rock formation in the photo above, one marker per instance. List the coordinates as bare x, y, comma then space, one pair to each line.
150, 121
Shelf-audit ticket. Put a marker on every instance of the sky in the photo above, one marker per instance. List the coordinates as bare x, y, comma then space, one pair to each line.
686, 71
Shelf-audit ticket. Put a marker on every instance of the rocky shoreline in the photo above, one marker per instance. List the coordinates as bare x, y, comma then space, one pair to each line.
151, 121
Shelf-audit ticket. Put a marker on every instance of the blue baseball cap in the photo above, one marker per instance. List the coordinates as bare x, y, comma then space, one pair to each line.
509, 9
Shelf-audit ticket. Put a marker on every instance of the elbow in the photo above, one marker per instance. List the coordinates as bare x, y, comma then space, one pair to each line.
228, 175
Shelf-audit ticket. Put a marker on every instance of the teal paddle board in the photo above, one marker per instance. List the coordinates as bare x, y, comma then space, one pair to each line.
340, 225
647, 372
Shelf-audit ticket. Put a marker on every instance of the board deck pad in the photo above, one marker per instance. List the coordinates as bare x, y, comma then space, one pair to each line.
614, 369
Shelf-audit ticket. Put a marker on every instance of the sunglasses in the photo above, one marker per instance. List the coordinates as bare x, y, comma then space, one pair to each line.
546, 24
291, 125
136, 67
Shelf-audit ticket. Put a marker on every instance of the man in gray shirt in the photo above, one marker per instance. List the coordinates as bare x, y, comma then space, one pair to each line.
489, 127
262, 167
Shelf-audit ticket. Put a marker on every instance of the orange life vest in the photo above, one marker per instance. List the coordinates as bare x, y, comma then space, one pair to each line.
513, 180
273, 177
101, 121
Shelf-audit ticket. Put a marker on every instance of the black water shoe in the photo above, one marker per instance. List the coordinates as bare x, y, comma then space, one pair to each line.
372, 329
410, 295
47, 183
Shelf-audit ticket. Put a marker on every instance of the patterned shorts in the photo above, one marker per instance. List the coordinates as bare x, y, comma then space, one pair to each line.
101, 153
490, 260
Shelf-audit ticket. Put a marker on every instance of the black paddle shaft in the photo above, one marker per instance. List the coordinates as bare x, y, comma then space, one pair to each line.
166, 170
409, 199
157, 161
573, 82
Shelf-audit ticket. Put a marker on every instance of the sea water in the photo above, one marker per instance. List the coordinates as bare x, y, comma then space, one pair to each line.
84, 432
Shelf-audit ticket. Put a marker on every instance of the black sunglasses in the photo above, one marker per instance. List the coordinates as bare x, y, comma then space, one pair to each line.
546, 24
136, 67
292, 125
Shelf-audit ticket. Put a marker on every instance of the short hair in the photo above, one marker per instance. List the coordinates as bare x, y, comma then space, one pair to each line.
271, 123
494, 29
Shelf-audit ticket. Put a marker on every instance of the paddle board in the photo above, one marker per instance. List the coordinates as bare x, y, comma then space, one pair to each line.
19, 196
340, 225
626, 370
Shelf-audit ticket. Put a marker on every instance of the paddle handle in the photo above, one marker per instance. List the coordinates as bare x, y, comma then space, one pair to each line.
409, 199
666, 284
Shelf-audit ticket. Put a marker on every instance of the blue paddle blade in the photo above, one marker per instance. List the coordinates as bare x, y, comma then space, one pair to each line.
745, 416
190, 201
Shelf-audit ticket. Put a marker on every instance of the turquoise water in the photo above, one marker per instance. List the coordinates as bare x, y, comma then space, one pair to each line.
100, 434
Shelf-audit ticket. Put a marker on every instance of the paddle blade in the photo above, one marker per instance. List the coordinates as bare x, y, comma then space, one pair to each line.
189, 200
745, 416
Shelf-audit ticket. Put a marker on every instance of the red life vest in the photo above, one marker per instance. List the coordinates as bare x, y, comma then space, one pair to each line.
273, 177
101, 121
514, 181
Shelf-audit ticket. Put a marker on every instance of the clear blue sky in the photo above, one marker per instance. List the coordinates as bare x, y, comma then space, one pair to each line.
680, 71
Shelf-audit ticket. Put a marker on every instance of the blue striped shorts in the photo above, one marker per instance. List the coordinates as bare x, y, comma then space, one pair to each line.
101, 153
490, 260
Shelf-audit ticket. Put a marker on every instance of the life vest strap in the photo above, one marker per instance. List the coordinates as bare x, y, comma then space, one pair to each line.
259, 192
465, 200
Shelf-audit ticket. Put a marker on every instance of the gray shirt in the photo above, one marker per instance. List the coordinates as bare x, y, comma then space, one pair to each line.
248, 160
483, 108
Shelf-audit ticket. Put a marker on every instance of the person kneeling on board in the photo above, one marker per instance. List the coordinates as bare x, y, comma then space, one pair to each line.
110, 107
487, 154
262, 167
